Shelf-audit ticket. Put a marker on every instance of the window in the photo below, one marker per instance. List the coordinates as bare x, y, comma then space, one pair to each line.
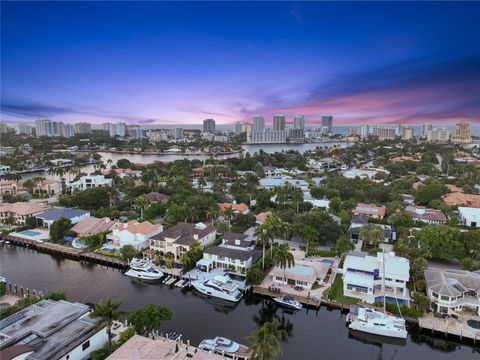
446, 298
435, 295
85, 345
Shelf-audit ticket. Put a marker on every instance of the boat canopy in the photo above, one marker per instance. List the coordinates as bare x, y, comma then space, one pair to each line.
288, 297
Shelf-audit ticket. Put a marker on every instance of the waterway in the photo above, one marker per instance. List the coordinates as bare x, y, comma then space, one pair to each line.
313, 334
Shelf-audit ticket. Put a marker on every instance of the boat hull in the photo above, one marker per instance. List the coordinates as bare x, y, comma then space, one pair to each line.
138, 275
216, 295
377, 330
288, 306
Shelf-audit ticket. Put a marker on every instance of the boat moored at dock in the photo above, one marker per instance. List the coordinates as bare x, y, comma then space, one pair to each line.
220, 286
288, 301
225, 347
142, 269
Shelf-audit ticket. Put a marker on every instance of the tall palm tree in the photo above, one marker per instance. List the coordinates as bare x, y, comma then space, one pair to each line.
106, 313
229, 212
141, 202
309, 234
212, 213
283, 258
371, 234
266, 341
38, 180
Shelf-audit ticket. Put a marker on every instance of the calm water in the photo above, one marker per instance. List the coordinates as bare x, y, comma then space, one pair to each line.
313, 334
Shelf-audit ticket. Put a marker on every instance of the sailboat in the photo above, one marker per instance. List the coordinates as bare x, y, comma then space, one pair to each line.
377, 322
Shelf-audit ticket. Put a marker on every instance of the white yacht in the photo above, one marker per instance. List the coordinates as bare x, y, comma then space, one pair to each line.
220, 286
377, 322
225, 347
289, 302
142, 269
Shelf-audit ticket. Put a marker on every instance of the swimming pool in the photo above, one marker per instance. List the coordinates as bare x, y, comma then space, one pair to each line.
30, 233
328, 261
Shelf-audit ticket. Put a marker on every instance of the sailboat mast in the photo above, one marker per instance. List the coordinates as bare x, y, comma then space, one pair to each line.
383, 281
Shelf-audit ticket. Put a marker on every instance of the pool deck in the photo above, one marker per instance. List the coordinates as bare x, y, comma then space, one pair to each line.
451, 326
42, 235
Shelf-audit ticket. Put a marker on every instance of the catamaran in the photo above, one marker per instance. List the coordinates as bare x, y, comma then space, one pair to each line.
220, 286
377, 322
142, 269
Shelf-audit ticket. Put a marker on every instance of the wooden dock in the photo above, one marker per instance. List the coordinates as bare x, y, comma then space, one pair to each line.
67, 251
305, 300
449, 327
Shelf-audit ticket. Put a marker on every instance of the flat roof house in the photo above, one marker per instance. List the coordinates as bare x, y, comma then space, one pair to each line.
19, 211
451, 291
49, 217
51, 330
370, 210
468, 216
177, 239
363, 276
87, 182
426, 215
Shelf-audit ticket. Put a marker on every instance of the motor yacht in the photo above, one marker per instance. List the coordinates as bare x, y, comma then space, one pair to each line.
225, 347
220, 286
142, 269
288, 301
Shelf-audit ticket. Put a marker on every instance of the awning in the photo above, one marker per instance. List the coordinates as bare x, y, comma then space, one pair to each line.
204, 262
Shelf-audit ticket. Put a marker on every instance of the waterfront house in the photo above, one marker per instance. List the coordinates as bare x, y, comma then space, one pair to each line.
51, 330
452, 291
370, 210
363, 276
137, 234
469, 216
426, 215
92, 225
177, 239
19, 211
87, 182
236, 252
297, 275
47, 218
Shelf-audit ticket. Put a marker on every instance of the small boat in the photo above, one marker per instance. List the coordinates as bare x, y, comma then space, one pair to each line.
220, 286
167, 279
225, 347
288, 301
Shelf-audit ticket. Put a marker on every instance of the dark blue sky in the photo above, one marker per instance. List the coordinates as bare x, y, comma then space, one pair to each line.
157, 62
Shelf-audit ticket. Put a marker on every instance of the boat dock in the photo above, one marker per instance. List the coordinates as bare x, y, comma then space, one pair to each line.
458, 328
305, 300
67, 251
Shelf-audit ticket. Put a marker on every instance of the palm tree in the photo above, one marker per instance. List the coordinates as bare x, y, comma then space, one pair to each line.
283, 258
212, 213
38, 180
106, 313
266, 341
309, 234
264, 233
221, 227
371, 234
229, 212
201, 182
141, 202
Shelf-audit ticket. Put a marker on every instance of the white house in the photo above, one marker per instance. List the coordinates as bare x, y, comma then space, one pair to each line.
451, 291
134, 233
360, 173
270, 183
87, 182
51, 330
236, 252
469, 216
363, 276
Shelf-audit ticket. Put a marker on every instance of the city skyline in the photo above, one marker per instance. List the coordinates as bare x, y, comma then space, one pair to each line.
181, 63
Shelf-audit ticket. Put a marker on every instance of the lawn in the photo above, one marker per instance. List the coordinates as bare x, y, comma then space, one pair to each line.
336, 292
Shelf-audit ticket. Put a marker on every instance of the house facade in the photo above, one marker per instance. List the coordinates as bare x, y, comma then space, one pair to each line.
426, 215
20, 211
134, 233
87, 182
468, 216
363, 277
177, 239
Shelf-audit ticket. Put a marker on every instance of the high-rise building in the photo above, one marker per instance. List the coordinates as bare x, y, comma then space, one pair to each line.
3, 128
118, 129
237, 128
407, 133
23, 128
258, 123
296, 135
354, 131
299, 122
268, 137
278, 122
327, 121
462, 134
83, 128
135, 132
438, 135
47, 127
246, 128
364, 131
66, 130
425, 129
385, 133
209, 126
178, 133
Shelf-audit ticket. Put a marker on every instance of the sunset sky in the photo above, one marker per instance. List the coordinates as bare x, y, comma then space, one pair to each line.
179, 63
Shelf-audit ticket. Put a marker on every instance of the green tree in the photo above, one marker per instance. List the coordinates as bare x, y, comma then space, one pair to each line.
149, 318
335, 204
266, 341
309, 235
106, 313
59, 229
141, 202
421, 301
190, 258
31, 222
128, 252
283, 258
124, 163
444, 242
430, 192
371, 234
344, 244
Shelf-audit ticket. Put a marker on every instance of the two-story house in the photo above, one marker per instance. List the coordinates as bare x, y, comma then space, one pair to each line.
177, 239
363, 277
87, 182
236, 252
134, 233
19, 211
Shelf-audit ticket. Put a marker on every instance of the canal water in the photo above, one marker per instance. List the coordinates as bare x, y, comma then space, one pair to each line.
313, 334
